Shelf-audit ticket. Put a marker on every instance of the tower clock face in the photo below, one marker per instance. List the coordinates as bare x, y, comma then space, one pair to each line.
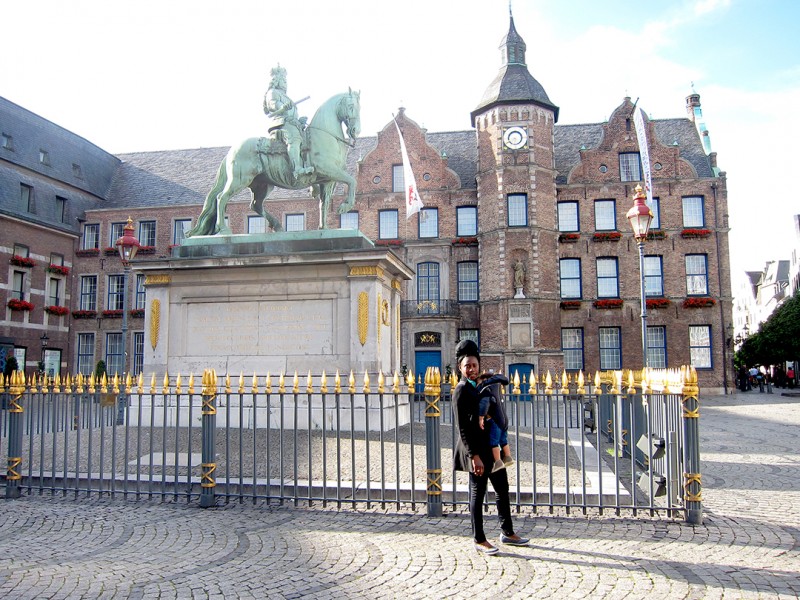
515, 138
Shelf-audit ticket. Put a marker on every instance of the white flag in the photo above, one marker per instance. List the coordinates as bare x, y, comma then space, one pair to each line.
413, 201
644, 154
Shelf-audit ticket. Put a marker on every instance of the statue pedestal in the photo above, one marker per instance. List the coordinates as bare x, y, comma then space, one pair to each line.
519, 293
274, 303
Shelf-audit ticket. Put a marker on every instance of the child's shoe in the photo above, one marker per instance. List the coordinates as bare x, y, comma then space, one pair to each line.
508, 461
498, 464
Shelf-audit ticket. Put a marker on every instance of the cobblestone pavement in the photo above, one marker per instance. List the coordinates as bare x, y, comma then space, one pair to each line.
747, 546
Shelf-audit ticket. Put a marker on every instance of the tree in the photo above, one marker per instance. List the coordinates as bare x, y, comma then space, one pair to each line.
777, 339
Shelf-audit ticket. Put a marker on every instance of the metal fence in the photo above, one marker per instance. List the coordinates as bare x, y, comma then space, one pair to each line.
603, 449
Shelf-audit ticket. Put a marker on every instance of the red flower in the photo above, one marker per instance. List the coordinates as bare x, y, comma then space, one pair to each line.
137, 313
59, 311
698, 302
58, 269
570, 304
22, 261
87, 252
607, 236
15, 304
610, 303
84, 314
112, 314
569, 237
695, 233
657, 303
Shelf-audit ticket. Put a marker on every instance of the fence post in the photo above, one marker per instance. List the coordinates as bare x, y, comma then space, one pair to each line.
209, 435
692, 488
433, 415
13, 476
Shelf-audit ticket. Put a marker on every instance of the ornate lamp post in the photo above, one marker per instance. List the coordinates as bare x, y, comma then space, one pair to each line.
640, 217
127, 246
44, 339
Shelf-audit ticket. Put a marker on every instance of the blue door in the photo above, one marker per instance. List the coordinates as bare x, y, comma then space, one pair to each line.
424, 359
524, 370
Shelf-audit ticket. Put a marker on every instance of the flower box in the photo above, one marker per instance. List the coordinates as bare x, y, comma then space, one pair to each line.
698, 302
569, 238
58, 269
87, 252
137, 313
111, 250
15, 304
59, 311
22, 261
656, 234
392, 243
465, 241
84, 314
112, 314
607, 236
570, 304
611, 303
656, 303
695, 233
146, 250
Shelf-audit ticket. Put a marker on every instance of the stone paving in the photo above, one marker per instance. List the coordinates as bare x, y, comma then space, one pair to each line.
747, 546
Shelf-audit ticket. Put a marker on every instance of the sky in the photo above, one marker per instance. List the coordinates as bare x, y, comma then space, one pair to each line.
147, 75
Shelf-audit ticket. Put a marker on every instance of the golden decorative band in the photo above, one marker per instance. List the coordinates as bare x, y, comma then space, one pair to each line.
432, 406
208, 405
434, 482
157, 280
206, 480
691, 478
14, 405
13, 463
366, 272
689, 413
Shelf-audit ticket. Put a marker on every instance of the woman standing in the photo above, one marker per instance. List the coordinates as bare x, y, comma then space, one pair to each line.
472, 453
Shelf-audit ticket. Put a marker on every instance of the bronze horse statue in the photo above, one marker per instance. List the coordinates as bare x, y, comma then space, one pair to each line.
262, 165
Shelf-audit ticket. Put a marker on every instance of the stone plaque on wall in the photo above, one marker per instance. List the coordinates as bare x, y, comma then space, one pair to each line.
520, 335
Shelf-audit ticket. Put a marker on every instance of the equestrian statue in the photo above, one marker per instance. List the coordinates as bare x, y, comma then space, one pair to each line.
296, 155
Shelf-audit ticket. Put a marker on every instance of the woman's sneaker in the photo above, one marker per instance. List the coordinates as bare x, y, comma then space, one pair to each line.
508, 461
498, 464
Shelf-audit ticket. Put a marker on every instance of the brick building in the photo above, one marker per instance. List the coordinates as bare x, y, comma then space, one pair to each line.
523, 243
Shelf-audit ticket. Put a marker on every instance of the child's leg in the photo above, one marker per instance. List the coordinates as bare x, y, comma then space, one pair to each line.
496, 453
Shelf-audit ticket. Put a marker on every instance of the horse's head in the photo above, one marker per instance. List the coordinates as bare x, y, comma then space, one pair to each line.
350, 113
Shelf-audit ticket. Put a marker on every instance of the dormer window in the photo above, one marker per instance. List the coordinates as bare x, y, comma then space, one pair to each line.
7, 141
44, 157
76, 171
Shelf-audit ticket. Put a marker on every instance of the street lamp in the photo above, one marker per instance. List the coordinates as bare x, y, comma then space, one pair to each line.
44, 339
640, 217
127, 246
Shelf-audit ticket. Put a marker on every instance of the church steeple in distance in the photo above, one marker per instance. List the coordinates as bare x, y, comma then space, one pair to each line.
513, 46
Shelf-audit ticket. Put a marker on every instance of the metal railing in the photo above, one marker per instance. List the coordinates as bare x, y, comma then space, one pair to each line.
607, 449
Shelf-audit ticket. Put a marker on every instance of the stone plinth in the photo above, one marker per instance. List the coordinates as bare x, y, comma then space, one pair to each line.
276, 303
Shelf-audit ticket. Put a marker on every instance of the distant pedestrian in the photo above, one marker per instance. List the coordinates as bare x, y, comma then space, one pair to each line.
790, 377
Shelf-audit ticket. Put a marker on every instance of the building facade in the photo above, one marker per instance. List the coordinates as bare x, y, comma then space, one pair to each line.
522, 245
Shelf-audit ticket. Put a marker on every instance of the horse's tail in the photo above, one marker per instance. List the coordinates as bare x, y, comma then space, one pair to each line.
206, 222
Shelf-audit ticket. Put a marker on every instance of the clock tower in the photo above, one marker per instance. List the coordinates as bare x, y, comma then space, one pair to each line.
518, 295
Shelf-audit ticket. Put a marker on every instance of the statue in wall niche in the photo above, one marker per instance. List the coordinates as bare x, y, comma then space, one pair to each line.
264, 163
519, 278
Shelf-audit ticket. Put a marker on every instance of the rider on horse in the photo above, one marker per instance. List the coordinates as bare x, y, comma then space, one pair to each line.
285, 124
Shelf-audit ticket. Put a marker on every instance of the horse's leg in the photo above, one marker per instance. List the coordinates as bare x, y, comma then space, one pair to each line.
348, 204
324, 195
261, 188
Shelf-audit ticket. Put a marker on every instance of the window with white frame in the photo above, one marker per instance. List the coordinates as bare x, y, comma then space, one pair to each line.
295, 222
85, 353
88, 299
607, 278
116, 232
466, 221
655, 208
56, 259
700, 346
387, 224
568, 221
605, 215
517, 210
696, 275
256, 224
469, 334
468, 281
653, 276
349, 220
18, 285
139, 301
610, 348
572, 347
179, 229
91, 236
693, 212
116, 292
570, 277
429, 223
657, 347
630, 166
115, 356
54, 291
147, 233
22, 250
138, 353
398, 179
